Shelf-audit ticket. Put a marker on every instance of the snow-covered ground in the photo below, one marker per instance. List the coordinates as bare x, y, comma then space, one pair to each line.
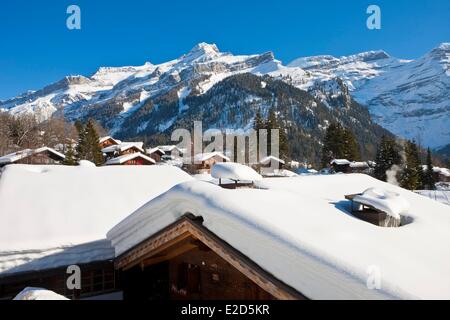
56, 215
442, 196
38, 294
300, 230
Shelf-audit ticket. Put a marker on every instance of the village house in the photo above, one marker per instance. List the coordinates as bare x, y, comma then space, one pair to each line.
270, 166
42, 155
124, 148
439, 174
131, 159
108, 141
340, 165
346, 166
203, 162
156, 154
171, 152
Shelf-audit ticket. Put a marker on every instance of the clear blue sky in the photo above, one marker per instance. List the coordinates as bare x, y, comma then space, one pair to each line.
37, 48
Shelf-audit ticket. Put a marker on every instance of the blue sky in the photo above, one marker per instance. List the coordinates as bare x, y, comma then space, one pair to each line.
37, 48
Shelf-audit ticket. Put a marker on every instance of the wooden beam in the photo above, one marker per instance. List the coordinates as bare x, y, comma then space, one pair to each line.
170, 255
244, 265
145, 254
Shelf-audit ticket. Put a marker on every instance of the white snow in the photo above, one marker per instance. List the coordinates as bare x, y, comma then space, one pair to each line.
300, 230
387, 201
51, 215
123, 146
340, 162
200, 157
38, 294
355, 164
269, 159
128, 157
234, 171
16, 156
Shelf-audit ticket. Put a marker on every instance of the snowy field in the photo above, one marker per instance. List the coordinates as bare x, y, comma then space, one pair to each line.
55, 215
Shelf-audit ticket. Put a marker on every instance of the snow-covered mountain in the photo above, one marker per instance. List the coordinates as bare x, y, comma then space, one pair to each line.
410, 98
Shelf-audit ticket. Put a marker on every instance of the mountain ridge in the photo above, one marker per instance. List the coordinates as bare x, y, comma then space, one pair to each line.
408, 97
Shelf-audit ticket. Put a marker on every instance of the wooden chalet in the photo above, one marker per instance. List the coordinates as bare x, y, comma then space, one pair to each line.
41, 156
439, 174
203, 162
186, 261
124, 148
156, 154
269, 165
108, 141
132, 159
340, 165
98, 278
171, 151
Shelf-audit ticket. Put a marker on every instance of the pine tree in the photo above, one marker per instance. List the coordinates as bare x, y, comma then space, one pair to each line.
258, 124
94, 153
81, 148
412, 174
274, 123
351, 146
387, 156
339, 143
428, 176
88, 147
270, 124
70, 156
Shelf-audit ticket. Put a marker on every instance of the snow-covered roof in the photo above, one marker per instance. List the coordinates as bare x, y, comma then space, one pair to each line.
208, 155
19, 155
269, 159
234, 171
359, 165
54, 216
279, 173
301, 231
443, 171
156, 149
103, 139
128, 157
340, 162
169, 148
124, 146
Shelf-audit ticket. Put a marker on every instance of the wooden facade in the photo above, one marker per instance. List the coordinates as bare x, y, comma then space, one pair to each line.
109, 141
138, 161
204, 166
187, 261
156, 155
96, 278
42, 158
